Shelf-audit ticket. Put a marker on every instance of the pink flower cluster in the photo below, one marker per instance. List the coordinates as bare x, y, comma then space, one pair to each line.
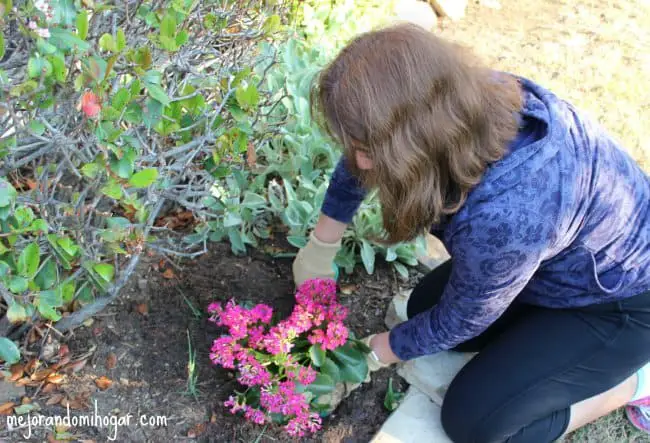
263, 353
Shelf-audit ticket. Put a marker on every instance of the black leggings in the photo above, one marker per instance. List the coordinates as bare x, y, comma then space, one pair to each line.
533, 363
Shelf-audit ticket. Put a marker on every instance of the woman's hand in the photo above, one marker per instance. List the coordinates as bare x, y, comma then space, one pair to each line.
316, 259
380, 344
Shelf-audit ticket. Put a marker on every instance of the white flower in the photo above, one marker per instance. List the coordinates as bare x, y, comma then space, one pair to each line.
43, 32
32, 26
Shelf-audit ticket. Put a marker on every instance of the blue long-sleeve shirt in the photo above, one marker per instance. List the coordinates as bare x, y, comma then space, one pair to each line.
563, 220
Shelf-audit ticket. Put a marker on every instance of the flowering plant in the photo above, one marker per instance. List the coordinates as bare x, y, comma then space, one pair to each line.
288, 367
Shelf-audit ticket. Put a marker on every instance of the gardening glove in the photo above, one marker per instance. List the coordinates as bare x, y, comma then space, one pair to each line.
315, 260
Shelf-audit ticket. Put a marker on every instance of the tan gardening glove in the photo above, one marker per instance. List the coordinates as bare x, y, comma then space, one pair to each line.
315, 260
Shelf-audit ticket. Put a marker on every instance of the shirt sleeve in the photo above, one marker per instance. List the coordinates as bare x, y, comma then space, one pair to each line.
344, 194
494, 255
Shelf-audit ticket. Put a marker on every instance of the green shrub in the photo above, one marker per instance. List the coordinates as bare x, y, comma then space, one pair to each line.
110, 118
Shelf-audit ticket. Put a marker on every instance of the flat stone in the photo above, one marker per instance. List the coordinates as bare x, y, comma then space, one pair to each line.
436, 253
416, 420
10, 392
453, 9
432, 374
418, 12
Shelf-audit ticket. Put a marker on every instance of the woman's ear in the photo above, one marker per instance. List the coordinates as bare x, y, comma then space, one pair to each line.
363, 160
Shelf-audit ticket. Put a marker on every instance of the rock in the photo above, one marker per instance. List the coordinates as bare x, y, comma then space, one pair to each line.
419, 12
396, 312
436, 253
417, 419
453, 9
432, 374
10, 392
492, 4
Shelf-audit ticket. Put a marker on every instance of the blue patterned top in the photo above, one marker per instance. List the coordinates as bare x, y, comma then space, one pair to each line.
563, 220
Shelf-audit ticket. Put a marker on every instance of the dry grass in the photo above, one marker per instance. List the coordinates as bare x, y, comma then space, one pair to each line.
592, 53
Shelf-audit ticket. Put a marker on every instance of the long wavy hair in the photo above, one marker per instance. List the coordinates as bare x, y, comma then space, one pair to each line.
429, 116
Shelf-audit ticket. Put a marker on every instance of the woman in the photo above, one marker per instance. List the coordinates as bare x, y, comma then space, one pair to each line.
546, 218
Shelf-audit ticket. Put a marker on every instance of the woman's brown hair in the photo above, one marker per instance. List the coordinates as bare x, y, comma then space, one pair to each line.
429, 117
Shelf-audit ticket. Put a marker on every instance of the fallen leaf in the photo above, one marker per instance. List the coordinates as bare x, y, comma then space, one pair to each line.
49, 388
61, 363
169, 273
185, 215
6, 408
103, 382
196, 430
31, 366
54, 399
17, 371
88, 322
348, 289
143, 309
90, 104
52, 439
61, 428
72, 403
76, 366
64, 350
251, 156
55, 379
42, 374
25, 401
213, 418
24, 409
111, 361
23, 381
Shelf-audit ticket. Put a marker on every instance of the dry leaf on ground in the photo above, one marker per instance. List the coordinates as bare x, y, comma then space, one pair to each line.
169, 273
54, 400
111, 361
103, 382
6, 408
143, 309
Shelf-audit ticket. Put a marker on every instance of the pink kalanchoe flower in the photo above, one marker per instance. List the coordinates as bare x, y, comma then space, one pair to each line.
336, 312
300, 319
336, 335
254, 415
306, 375
224, 350
316, 337
262, 313
253, 373
233, 404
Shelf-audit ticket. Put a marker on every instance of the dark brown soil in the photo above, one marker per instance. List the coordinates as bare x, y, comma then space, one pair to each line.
148, 329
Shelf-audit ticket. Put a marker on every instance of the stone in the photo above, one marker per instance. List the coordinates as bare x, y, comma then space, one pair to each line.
432, 374
453, 9
414, 11
396, 312
436, 253
417, 419
10, 392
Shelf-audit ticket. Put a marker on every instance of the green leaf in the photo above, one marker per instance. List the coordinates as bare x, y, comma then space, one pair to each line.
58, 67
120, 43
29, 260
105, 270
122, 167
120, 99
90, 170
9, 351
168, 26
329, 367
367, 256
144, 178
7, 193
39, 225
317, 355
66, 40
37, 127
4, 268
37, 66
64, 12
44, 47
82, 24
46, 277
323, 384
181, 38
157, 93
17, 284
51, 297
27, 408
107, 43
17, 313
236, 241
401, 269
231, 219
348, 355
67, 291
392, 398
112, 189
2, 45
253, 201
247, 95
48, 312
354, 373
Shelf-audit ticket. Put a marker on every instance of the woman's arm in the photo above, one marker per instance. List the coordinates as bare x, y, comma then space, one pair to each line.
494, 255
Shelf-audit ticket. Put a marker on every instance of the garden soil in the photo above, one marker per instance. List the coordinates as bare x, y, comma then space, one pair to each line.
142, 347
